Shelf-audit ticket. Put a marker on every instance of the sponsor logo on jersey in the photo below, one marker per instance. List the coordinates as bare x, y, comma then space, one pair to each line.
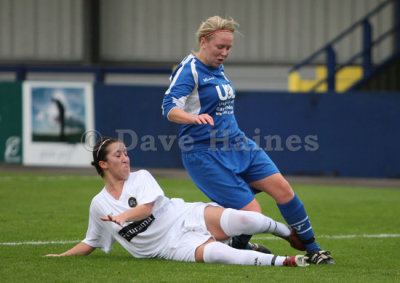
227, 92
135, 228
208, 79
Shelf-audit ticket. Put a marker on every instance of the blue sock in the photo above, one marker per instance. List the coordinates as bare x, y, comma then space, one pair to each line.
241, 242
296, 216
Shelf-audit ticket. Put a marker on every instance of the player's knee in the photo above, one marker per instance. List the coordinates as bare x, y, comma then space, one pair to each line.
240, 223
215, 252
236, 222
245, 219
285, 186
284, 191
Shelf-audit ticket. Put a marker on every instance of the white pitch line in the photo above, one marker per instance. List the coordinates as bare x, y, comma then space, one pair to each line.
338, 236
39, 243
256, 237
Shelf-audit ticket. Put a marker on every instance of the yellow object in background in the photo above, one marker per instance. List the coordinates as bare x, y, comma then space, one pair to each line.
345, 78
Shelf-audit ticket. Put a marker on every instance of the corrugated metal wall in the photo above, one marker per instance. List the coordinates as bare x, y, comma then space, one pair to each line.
272, 31
41, 30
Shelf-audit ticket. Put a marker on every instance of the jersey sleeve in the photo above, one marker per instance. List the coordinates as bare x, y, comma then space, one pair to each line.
97, 235
183, 81
148, 190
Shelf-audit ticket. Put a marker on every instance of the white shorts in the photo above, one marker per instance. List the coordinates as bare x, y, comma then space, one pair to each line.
188, 233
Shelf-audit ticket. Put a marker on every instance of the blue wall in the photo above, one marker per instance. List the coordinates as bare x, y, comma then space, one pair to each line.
358, 133
135, 112
352, 134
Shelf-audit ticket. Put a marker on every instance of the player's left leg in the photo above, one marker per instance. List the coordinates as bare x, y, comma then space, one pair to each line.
223, 223
264, 176
293, 211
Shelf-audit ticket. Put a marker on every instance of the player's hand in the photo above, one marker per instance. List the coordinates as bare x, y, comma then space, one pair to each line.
203, 119
115, 218
52, 255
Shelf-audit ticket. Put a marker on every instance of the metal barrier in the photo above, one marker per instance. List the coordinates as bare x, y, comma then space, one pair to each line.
365, 54
98, 72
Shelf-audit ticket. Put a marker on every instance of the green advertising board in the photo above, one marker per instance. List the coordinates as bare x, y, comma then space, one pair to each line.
10, 122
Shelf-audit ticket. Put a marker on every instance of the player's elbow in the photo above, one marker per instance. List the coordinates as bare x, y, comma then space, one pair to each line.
148, 209
171, 115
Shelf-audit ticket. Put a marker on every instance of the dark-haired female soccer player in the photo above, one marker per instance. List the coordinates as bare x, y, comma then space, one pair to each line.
132, 209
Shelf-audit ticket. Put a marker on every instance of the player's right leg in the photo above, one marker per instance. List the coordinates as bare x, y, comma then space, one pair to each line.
216, 252
213, 174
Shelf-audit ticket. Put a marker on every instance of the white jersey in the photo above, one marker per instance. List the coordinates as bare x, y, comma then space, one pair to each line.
155, 236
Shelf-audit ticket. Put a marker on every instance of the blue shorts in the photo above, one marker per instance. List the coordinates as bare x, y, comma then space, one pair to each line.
223, 173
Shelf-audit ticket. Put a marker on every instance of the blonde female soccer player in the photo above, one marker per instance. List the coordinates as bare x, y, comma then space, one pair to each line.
225, 165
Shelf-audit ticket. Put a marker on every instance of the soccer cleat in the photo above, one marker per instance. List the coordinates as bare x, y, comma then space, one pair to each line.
319, 257
259, 248
293, 261
294, 241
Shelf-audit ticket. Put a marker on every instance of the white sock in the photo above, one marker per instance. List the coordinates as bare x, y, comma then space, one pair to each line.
216, 252
237, 222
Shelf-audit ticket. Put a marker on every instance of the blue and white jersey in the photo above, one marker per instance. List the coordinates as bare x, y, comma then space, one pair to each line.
197, 89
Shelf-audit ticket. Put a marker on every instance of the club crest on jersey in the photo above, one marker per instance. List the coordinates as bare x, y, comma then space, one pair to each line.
227, 92
132, 202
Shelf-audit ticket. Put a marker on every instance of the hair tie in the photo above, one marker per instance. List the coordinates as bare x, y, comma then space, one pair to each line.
217, 31
98, 150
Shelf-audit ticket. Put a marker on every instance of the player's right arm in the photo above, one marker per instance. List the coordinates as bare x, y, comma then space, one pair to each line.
183, 81
79, 249
137, 213
179, 116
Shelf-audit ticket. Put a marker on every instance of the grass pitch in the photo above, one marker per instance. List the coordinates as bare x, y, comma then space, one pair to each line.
44, 213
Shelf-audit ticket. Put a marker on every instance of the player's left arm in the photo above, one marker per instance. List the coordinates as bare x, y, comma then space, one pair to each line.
137, 213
